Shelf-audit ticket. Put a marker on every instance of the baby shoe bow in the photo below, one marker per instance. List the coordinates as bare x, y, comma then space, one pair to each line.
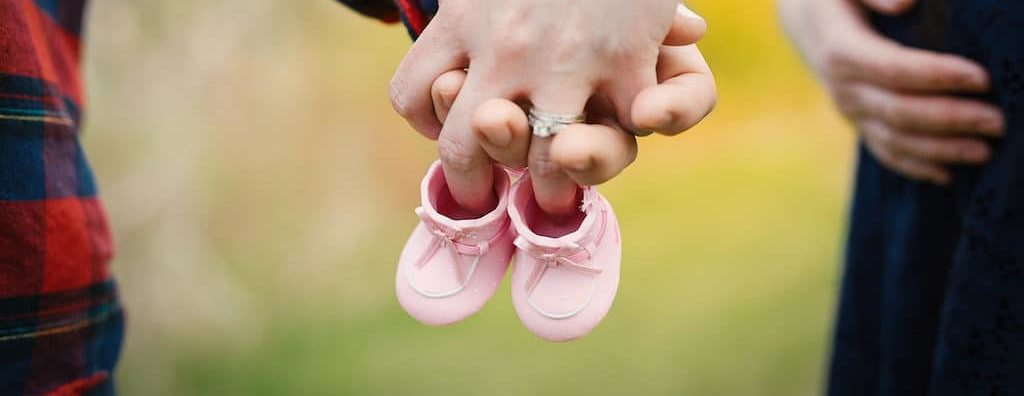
458, 243
572, 257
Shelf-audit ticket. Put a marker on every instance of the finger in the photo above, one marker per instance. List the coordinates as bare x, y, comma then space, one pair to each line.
623, 92
594, 154
859, 53
446, 88
909, 167
685, 96
410, 88
941, 149
468, 170
687, 27
938, 114
944, 150
889, 7
877, 141
554, 190
503, 131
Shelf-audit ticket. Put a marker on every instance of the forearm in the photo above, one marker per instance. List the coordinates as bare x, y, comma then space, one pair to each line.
798, 17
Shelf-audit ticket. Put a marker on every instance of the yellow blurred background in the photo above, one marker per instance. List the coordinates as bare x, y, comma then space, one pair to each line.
261, 188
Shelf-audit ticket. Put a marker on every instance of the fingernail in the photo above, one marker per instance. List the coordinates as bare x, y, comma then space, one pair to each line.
448, 86
498, 137
994, 124
685, 12
976, 153
447, 98
982, 153
666, 122
581, 165
979, 81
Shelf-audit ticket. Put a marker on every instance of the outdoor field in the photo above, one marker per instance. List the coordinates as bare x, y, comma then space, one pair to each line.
261, 188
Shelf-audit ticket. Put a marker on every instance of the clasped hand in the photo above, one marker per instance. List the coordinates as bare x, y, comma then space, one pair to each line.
631, 66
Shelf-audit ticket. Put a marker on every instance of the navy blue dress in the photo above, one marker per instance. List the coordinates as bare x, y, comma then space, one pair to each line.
932, 299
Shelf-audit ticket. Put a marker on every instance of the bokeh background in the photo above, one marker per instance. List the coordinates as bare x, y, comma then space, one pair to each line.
261, 188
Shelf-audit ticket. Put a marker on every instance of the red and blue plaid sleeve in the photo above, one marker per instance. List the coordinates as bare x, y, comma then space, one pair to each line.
414, 13
60, 319
385, 10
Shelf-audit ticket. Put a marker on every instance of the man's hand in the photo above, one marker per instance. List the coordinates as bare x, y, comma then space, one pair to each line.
594, 153
556, 56
904, 102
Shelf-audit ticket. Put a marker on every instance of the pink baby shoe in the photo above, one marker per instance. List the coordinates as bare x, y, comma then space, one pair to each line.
565, 275
450, 268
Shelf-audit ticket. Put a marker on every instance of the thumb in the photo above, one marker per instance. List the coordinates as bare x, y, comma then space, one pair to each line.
687, 27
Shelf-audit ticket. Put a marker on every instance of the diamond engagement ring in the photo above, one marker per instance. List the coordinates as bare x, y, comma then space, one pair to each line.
546, 124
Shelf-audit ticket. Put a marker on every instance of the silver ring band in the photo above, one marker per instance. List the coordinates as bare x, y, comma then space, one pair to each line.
546, 124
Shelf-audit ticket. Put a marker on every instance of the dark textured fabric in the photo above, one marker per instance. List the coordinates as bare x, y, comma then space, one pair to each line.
932, 299
417, 19
384, 10
414, 14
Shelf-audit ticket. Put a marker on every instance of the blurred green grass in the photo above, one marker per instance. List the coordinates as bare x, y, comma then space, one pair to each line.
260, 190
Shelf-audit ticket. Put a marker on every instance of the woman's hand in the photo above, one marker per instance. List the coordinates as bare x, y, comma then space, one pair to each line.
594, 153
904, 102
554, 55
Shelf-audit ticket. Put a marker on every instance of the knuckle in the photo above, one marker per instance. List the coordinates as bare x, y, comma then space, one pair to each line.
835, 65
887, 72
937, 151
912, 171
399, 97
960, 152
952, 113
490, 119
949, 76
515, 43
905, 166
832, 75
885, 137
569, 46
895, 114
544, 166
834, 61
625, 54
972, 151
940, 77
848, 101
456, 155
883, 155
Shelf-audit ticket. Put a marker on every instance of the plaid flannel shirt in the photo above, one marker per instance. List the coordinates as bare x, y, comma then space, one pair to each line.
61, 323
60, 320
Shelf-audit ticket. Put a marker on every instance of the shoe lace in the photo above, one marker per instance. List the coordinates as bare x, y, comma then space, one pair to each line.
458, 243
572, 256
